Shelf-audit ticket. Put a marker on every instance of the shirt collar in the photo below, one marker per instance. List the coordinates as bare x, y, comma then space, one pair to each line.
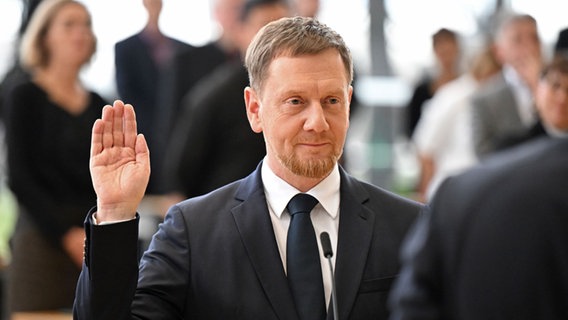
554, 132
279, 192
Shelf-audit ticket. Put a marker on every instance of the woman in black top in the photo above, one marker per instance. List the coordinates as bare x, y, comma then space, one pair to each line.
48, 133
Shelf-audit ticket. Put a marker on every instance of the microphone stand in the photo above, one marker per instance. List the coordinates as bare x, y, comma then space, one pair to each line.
328, 253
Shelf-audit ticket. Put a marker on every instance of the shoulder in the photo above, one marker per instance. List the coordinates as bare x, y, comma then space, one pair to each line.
127, 42
26, 94
527, 173
493, 89
379, 199
219, 203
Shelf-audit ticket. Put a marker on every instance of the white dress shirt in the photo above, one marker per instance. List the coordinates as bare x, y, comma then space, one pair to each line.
325, 215
523, 95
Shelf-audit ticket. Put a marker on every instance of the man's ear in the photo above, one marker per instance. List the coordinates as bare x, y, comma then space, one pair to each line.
252, 103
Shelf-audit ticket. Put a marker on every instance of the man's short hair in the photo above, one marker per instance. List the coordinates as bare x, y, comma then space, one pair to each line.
292, 37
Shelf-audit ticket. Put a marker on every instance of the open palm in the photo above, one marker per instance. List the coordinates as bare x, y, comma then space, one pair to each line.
120, 165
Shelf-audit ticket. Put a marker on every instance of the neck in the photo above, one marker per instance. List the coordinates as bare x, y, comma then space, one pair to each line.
62, 75
152, 25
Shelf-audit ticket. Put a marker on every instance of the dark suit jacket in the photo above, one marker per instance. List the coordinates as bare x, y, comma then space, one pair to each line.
216, 257
494, 244
138, 77
139, 82
188, 68
212, 143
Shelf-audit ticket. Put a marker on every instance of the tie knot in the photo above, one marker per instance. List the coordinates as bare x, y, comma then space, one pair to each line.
301, 203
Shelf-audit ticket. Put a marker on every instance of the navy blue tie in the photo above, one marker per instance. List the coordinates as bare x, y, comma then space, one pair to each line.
302, 260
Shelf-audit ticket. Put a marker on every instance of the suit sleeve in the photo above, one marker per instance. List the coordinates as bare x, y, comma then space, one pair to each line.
417, 292
107, 283
111, 285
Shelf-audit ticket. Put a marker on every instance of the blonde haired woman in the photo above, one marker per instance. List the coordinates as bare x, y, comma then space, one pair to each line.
48, 134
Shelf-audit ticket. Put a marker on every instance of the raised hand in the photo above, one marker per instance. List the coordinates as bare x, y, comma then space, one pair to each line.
120, 163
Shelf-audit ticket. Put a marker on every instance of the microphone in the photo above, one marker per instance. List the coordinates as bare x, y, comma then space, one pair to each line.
328, 253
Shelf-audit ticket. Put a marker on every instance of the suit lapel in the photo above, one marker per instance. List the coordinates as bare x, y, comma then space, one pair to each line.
255, 228
355, 233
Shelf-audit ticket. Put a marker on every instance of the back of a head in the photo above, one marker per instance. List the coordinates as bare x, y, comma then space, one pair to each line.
292, 37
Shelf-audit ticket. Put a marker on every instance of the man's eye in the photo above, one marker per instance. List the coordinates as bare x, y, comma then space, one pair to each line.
294, 101
333, 100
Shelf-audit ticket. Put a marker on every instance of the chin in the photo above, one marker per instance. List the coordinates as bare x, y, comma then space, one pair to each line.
314, 168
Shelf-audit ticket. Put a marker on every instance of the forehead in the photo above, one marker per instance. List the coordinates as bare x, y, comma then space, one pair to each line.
71, 9
555, 76
326, 65
519, 27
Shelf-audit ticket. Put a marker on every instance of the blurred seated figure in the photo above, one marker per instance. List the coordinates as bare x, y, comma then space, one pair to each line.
48, 133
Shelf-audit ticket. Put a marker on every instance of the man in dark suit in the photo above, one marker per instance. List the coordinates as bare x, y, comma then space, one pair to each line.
494, 244
141, 61
226, 255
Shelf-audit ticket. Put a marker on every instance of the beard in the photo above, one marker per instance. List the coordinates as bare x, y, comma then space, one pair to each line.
313, 168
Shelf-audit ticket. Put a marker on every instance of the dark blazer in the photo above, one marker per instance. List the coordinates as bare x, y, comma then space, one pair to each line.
216, 257
139, 81
212, 143
494, 244
138, 77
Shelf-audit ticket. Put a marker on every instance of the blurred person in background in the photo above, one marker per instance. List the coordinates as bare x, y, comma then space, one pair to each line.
140, 62
212, 143
504, 105
48, 156
551, 99
189, 67
446, 46
443, 136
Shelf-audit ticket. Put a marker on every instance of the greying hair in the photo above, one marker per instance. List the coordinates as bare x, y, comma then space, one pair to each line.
292, 37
